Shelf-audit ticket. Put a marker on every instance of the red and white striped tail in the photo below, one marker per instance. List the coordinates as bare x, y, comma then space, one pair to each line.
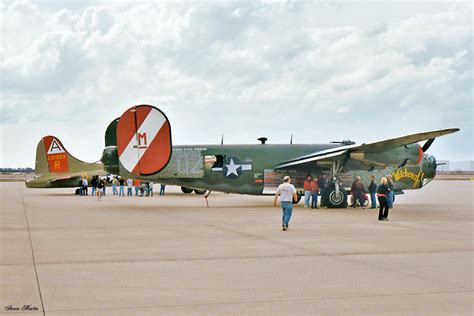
144, 140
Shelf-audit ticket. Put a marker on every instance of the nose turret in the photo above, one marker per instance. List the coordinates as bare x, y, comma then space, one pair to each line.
428, 168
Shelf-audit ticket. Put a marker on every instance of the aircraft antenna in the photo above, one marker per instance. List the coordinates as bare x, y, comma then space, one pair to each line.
222, 139
291, 139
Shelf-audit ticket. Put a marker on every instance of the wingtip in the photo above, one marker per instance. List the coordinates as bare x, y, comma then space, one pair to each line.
452, 130
449, 130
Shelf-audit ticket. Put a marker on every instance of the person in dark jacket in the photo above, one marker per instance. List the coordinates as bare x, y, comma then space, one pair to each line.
80, 187
382, 194
100, 186
390, 197
121, 184
358, 192
373, 191
323, 184
94, 182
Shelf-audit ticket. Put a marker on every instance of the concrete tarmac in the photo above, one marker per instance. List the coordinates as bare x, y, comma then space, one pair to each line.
72, 255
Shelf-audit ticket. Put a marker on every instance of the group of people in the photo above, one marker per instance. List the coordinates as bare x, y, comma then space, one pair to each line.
287, 194
98, 185
312, 189
140, 188
358, 192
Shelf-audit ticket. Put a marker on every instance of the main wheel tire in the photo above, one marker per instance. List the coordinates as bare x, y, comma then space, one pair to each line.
186, 190
200, 192
333, 200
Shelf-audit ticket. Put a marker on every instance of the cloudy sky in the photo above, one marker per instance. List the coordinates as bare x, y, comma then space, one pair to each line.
321, 71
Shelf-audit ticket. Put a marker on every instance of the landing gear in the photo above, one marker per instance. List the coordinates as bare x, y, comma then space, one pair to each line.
189, 190
186, 190
335, 196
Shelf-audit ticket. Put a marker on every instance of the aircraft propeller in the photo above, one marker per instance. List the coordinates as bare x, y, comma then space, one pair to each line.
427, 144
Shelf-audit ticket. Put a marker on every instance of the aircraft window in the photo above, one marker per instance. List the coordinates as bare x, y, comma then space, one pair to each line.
209, 161
214, 161
219, 162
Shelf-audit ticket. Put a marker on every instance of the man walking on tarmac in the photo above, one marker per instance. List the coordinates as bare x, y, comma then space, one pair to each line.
287, 193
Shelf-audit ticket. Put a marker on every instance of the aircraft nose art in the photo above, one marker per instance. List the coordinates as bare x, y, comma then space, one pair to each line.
144, 140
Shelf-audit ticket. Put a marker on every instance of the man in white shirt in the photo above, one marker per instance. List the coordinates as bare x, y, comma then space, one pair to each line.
84, 185
129, 187
287, 193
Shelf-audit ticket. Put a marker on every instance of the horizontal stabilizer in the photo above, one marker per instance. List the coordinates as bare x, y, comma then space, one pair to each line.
70, 177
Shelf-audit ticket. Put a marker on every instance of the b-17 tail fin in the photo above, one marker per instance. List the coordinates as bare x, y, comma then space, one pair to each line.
56, 168
52, 157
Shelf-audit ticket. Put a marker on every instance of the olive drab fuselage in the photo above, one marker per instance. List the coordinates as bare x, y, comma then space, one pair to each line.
249, 169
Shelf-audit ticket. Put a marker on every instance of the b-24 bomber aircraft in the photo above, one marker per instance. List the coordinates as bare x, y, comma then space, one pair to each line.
139, 145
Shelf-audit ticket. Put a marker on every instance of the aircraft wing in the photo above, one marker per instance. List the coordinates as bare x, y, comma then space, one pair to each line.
332, 154
337, 153
405, 140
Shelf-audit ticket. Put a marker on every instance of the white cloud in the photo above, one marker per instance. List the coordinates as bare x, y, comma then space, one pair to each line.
270, 69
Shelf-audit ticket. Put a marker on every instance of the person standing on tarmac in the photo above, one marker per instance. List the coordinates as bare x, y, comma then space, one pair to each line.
358, 192
121, 184
323, 183
314, 194
115, 183
287, 193
85, 185
382, 194
81, 190
94, 181
129, 187
390, 191
150, 187
100, 187
136, 184
373, 191
307, 190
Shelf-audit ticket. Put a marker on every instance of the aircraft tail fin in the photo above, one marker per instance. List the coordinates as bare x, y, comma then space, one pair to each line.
143, 136
52, 157
111, 133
